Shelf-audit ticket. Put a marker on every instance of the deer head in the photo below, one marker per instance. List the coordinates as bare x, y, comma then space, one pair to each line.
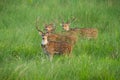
66, 25
49, 27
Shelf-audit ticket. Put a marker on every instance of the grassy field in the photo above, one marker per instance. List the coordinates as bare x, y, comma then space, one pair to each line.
21, 56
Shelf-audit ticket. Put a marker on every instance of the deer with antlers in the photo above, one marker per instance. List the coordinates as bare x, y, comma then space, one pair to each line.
54, 47
83, 32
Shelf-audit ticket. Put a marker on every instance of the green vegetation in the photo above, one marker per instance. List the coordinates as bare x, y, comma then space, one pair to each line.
21, 56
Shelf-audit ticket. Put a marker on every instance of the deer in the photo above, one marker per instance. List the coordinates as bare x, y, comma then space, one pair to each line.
83, 32
54, 47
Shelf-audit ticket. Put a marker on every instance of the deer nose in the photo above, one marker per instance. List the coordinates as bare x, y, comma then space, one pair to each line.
43, 38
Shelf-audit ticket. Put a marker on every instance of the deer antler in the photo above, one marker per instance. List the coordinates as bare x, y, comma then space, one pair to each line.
73, 19
37, 25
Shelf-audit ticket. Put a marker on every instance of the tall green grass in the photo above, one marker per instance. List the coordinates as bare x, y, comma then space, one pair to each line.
21, 57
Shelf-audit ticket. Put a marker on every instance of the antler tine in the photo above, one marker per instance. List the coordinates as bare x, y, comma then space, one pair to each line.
73, 19
37, 20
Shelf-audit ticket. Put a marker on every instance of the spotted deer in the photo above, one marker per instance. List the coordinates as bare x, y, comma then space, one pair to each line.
54, 47
83, 32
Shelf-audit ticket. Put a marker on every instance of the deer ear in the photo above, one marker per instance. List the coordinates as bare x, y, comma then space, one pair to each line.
40, 33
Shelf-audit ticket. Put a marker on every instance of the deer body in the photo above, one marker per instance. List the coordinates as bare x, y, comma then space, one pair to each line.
89, 32
54, 47
83, 32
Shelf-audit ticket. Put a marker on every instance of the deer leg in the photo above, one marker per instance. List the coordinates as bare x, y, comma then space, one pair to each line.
50, 57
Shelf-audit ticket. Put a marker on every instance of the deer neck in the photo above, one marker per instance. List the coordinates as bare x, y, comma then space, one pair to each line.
49, 33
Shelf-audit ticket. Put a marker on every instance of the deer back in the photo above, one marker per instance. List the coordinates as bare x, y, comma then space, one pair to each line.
71, 39
53, 37
89, 32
